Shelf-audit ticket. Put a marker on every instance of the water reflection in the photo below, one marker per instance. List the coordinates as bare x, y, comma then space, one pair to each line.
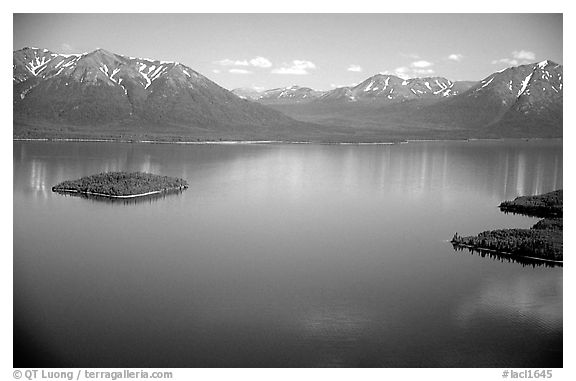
148, 199
38, 177
504, 169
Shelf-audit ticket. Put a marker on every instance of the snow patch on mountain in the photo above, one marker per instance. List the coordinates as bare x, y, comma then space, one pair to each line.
525, 84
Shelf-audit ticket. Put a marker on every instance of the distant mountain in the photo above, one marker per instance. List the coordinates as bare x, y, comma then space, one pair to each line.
390, 89
521, 101
379, 88
292, 94
246, 93
101, 88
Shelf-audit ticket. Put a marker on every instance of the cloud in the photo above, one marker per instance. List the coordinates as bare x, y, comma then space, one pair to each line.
420, 68
523, 55
355, 68
260, 62
455, 57
421, 64
406, 72
334, 86
423, 71
66, 48
297, 67
217, 71
402, 72
229, 62
519, 57
239, 71
507, 61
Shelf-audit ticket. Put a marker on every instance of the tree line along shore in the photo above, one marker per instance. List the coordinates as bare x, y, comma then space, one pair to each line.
542, 241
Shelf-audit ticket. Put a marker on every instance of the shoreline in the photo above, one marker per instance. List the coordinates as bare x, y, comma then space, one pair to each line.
263, 142
504, 253
114, 196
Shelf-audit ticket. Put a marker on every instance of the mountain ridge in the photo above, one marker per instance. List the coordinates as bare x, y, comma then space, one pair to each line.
519, 101
103, 93
377, 87
101, 88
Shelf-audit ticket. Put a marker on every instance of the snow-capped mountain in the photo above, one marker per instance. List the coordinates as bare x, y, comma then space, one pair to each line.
526, 88
291, 94
519, 99
382, 87
101, 87
379, 88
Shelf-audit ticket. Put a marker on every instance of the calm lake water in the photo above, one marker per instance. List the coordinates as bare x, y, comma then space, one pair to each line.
282, 256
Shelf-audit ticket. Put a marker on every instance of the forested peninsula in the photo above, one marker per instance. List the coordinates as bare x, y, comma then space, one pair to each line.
542, 241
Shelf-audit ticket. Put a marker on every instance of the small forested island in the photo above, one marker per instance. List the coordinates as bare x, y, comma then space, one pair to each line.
542, 241
122, 185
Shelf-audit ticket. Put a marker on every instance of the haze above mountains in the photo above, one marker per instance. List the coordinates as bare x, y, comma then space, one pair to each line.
106, 95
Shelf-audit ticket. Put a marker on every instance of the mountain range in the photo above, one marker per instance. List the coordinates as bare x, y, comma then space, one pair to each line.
521, 101
379, 88
109, 95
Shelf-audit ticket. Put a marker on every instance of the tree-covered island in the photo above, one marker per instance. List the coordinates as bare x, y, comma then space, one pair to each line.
541, 241
122, 184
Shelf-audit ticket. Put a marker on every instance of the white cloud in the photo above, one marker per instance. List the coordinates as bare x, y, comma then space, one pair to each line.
507, 61
421, 72
519, 57
334, 86
66, 48
455, 57
402, 72
523, 55
260, 62
405, 72
355, 68
216, 71
297, 67
229, 62
421, 64
239, 71
398, 72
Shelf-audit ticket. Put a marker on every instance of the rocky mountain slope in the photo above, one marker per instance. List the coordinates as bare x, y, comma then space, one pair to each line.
101, 88
526, 100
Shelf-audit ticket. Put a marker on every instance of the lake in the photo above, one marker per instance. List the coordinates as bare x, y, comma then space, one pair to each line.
282, 255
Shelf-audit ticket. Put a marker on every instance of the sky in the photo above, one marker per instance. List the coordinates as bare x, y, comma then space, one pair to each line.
321, 51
